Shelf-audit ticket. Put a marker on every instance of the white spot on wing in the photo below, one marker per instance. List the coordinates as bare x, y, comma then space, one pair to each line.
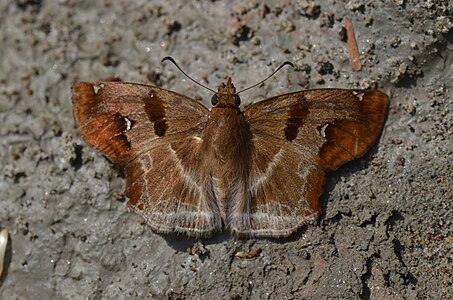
358, 95
128, 123
98, 87
323, 130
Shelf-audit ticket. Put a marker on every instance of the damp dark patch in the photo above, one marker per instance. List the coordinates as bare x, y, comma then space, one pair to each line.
77, 162
18, 176
242, 34
119, 170
366, 291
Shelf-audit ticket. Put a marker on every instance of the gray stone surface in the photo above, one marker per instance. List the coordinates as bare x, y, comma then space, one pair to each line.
386, 230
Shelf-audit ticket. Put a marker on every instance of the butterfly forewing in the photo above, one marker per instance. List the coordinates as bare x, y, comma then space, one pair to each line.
122, 118
332, 126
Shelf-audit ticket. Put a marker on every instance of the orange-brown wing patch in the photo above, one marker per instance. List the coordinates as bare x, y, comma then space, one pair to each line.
122, 119
333, 126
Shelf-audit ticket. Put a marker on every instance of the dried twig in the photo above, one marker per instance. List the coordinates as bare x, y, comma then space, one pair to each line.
352, 46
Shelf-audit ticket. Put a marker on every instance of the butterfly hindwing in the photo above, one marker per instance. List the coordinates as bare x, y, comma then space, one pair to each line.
284, 186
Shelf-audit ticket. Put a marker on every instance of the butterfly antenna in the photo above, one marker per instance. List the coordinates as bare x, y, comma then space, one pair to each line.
286, 63
173, 61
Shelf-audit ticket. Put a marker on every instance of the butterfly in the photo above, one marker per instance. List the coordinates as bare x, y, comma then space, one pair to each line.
256, 172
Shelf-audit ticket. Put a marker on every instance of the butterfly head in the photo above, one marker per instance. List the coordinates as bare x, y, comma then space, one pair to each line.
226, 96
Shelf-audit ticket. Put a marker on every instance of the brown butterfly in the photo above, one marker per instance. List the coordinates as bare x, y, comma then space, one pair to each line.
257, 172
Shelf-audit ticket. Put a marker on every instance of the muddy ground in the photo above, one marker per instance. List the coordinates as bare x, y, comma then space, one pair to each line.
386, 228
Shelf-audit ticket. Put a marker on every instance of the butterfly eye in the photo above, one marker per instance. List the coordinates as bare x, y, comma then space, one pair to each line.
237, 100
214, 99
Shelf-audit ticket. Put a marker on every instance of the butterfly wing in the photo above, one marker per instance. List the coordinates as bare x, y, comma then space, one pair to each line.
155, 134
296, 138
